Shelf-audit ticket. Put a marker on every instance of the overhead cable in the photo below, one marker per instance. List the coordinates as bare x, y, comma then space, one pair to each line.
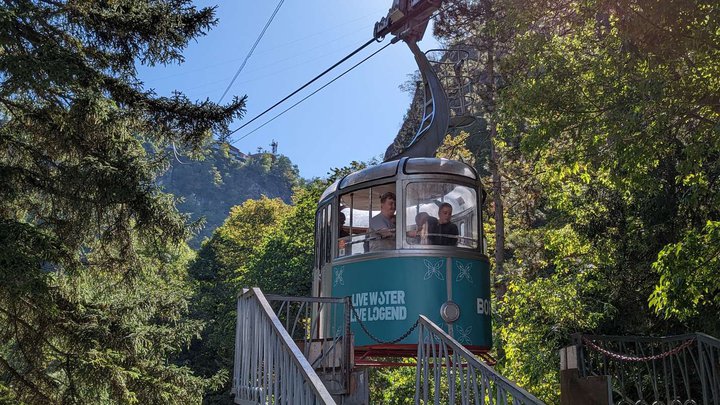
257, 41
396, 39
305, 85
311, 94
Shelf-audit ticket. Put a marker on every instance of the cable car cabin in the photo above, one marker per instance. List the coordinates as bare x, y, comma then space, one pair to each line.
404, 238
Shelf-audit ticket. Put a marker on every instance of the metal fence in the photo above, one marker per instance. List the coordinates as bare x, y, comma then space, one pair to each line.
676, 370
320, 326
447, 373
269, 367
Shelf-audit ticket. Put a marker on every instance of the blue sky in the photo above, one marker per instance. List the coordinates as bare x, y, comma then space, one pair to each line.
354, 118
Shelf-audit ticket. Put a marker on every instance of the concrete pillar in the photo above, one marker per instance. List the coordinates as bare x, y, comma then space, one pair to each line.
576, 390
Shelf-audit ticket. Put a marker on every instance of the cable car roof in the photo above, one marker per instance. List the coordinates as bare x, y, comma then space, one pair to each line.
411, 166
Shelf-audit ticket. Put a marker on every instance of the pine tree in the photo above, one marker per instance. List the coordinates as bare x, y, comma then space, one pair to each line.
93, 290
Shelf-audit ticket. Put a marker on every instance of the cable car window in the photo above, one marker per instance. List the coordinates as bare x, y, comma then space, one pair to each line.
441, 214
318, 227
368, 225
323, 236
319, 238
327, 226
434, 165
387, 169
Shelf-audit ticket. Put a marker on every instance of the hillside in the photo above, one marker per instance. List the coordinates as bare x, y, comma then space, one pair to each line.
223, 178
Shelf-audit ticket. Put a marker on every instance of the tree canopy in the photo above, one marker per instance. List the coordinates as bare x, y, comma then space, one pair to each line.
608, 138
93, 281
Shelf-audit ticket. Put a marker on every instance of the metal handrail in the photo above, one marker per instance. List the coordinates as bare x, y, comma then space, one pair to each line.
682, 369
650, 339
321, 328
269, 367
466, 378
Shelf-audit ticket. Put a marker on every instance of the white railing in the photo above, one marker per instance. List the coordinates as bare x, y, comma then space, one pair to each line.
447, 373
269, 367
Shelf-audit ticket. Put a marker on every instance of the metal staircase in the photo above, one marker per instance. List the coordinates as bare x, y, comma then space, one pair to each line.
284, 354
447, 373
269, 367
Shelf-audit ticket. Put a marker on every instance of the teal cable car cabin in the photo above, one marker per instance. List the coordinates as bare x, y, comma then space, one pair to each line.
424, 254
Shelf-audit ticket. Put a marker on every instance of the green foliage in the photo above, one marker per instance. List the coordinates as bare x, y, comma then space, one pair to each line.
98, 333
141, 322
689, 271
263, 243
218, 264
455, 148
284, 259
208, 187
93, 290
393, 385
608, 145
338, 173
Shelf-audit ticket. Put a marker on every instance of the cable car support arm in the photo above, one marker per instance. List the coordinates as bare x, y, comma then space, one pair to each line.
408, 20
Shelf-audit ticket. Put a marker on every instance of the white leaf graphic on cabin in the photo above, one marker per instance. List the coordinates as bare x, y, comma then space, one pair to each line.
462, 335
464, 273
431, 338
433, 269
339, 276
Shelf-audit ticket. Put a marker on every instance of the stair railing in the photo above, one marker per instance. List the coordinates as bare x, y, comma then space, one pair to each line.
320, 326
447, 373
269, 367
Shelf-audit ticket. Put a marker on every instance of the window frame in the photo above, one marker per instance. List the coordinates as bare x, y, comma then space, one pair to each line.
350, 219
477, 212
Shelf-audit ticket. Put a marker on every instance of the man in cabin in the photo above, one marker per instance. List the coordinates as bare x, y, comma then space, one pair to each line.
382, 227
445, 227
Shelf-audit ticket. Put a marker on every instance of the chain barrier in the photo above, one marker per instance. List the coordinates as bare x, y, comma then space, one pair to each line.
373, 337
622, 357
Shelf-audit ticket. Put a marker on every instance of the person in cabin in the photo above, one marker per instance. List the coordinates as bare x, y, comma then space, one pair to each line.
382, 227
344, 246
447, 233
341, 226
425, 231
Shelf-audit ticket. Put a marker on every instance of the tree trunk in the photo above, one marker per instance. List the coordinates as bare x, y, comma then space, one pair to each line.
500, 286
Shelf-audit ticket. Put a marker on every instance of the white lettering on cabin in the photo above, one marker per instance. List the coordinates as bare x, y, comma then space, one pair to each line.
379, 306
483, 306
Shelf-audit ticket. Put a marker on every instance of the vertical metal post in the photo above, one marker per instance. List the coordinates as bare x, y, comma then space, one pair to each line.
703, 376
352, 203
347, 344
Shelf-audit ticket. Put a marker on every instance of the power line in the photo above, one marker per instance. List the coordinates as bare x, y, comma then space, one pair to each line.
311, 94
305, 85
257, 41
